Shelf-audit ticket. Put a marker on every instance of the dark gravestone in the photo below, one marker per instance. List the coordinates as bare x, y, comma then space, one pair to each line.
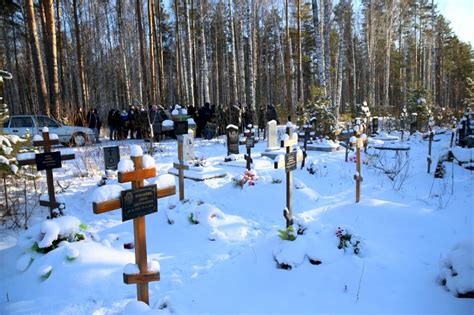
48, 160
138, 202
290, 161
180, 128
232, 140
375, 125
111, 157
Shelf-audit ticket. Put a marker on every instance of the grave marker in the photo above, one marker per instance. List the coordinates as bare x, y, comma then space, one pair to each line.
431, 135
111, 157
181, 166
188, 146
48, 161
249, 144
307, 135
290, 165
232, 140
134, 203
272, 136
358, 141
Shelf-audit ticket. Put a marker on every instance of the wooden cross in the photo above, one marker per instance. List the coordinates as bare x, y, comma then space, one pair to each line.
290, 165
307, 135
431, 135
359, 143
249, 143
181, 167
47, 161
139, 231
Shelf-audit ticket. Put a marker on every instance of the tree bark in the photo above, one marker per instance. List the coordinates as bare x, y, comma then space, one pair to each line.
37, 60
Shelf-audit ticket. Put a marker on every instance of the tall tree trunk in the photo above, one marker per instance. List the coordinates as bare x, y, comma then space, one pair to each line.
319, 47
327, 45
288, 67
189, 56
204, 65
251, 81
241, 58
299, 68
151, 38
233, 61
179, 61
143, 63
37, 61
60, 54
390, 16
123, 55
47, 8
80, 58
159, 51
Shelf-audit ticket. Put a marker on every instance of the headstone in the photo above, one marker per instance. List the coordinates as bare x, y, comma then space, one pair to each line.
111, 157
188, 147
232, 140
375, 125
272, 136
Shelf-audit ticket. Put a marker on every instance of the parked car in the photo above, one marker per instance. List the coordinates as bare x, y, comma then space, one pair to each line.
20, 125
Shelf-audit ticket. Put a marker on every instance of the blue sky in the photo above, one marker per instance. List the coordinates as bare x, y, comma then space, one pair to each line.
461, 15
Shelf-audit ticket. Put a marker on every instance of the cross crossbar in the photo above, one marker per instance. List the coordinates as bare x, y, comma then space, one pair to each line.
136, 175
109, 205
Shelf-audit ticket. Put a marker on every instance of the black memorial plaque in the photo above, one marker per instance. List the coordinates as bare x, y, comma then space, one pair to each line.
375, 125
138, 202
48, 161
180, 128
111, 157
232, 141
250, 143
290, 161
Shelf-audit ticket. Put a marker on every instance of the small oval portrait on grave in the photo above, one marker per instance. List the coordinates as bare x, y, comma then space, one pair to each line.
128, 198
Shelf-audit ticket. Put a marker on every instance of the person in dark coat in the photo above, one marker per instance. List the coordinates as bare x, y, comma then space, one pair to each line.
79, 118
111, 123
204, 115
131, 121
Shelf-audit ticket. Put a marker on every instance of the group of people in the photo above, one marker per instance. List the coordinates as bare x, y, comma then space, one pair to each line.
139, 123
136, 122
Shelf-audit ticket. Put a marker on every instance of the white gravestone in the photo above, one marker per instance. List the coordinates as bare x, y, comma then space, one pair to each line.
272, 136
188, 147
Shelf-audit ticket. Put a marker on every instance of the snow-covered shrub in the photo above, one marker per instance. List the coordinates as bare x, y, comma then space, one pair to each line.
457, 269
348, 241
419, 102
52, 232
287, 234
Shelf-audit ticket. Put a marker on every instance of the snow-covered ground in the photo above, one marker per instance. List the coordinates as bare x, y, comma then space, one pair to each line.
410, 233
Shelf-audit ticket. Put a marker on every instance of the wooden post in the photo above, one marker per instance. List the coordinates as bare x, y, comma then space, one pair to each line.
181, 167
46, 144
430, 140
139, 228
359, 143
290, 165
249, 144
358, 176
429, 150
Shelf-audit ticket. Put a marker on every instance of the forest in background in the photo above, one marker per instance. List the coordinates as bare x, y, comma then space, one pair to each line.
66, 54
